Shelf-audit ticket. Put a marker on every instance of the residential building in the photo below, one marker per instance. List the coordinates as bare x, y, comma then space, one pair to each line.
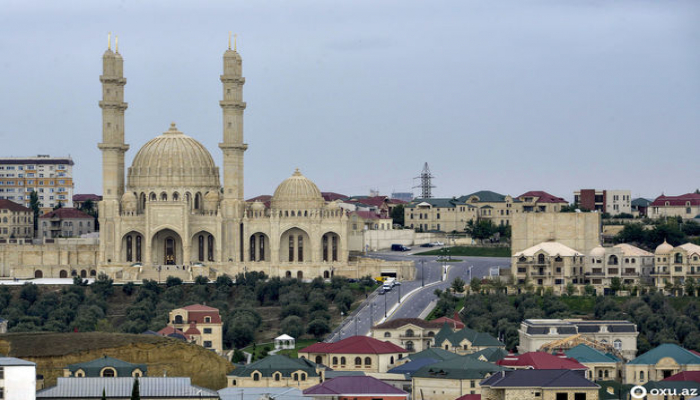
369, 221
355, 388
356, 353
455, 322
540, 201
277, 371
65, 222
50, 177
630, 264
403, 196
17, 379
105, 367
617, 337
601, 366
539, 384
640, 206
465, 341
671, 390
541, 360
452, 378
413, 334
200, 324
613, 202
660, 363
686, 206
673, 265
80, 199
577, 230
548, 265
121, 388
16, 221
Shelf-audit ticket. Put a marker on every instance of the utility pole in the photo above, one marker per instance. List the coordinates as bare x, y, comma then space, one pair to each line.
426, 185
422, 272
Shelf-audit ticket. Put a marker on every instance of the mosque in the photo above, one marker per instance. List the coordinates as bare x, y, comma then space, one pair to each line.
170, 214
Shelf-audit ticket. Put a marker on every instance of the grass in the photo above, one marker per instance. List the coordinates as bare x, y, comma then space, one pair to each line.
470, 252
458, 308
300, 344
257, 349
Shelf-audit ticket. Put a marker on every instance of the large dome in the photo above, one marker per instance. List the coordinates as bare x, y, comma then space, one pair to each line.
297, 192
173, 160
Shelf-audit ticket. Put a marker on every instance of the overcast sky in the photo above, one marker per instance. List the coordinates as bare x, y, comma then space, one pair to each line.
507, 96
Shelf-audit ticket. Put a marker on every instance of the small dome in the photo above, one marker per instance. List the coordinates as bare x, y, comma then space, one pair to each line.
257, 206
333, 205
297, 192
598, 251
173, 160
129, 201
663, 248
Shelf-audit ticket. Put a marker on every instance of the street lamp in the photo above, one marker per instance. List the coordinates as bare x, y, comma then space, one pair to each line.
385, 305
470, 272
399, 294
422, 272
357, 320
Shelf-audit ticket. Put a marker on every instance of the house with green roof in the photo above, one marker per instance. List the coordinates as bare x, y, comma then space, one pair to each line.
452, 378
433, 352
105, 367
489, 354
660, 363
277, 371
601, 366
466, 341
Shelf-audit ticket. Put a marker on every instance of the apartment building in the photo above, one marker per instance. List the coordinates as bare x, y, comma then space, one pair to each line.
50, 177
686, 206
17, 379
549, 264
16, 221
628, 263
613, 202
65, 222
673, 265
540, 201
201, 324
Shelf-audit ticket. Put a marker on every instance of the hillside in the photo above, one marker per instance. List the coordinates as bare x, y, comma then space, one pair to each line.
54, 351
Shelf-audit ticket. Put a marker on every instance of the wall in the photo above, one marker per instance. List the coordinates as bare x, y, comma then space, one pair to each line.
21, 260
382, 240
444, 389
20, 383
580, 231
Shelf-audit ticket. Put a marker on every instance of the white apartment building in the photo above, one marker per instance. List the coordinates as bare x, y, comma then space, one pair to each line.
613, 202
17, 379
50, 177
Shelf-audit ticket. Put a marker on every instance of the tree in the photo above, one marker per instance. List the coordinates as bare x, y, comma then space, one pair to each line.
458, 285
475, 285
171, 281
570, 289
397, 214
615, 284
481, 229
292, 326
135, 395
201, 280
690, 286
589, 290
318, 328
35, 205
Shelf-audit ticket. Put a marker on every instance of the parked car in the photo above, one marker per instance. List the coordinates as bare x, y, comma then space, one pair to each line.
427, 245
438, 244
399, 247
382, 291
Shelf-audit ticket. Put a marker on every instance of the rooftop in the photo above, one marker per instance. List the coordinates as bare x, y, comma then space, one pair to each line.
400, 322
355, 345
67, 213
277, 363
549, 248
12, 206
541, 360
15, 362
121, 388
543, 197
539, 378
354, 386
461, 367
677, 353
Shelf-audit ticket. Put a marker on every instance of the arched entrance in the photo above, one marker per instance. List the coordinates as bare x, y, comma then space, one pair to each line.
330, 246
63, 274
295, 246
258, 247
167, 248
132, 247
38, 274
83, 273
202, 248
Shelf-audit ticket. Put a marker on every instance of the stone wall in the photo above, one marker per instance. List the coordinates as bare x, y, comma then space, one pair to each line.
580, 231
23, 260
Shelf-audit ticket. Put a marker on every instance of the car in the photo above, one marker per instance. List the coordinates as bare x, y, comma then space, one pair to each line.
397, 283
437, 243
382, 291
399, 247
427, 245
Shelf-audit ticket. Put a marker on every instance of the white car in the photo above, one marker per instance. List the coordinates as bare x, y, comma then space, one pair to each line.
437, 243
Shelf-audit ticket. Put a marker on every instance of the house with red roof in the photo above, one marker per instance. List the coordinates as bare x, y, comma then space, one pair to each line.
65, 222
686, 376
686, 206
16, 221
356, 353
541, 201
541, 360
199, 324
413, 334
355, 388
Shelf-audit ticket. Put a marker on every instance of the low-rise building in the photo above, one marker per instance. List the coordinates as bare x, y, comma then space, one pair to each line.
640, 207
541, 202
65, 222
200, 324
660, 363
17, 379
277, 393
548, 264
614, 336
105, 367
686, 206
356, 353
613, 202
452, 378
541, 360
630, 264
121, 388
601, 366
673, 265
539, 384
413, 334
16, 221
369, 221
465, 341
79, 200
355, 388
277, 371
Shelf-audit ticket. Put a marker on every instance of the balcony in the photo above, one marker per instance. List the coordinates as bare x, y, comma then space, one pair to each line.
630, 273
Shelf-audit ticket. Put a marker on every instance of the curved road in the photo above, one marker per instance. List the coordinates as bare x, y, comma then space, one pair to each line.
417, 295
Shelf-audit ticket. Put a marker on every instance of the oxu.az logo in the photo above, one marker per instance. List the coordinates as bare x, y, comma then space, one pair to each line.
639, 392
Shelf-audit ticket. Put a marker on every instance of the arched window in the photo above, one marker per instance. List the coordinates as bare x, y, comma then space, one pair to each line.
617, 344
335, 248
73, 273
409, 346
261, 245
326, 274
612, 260
138, 248
63, 274
288, 274
296, 376
606, 374
409, 333
342, 361
324, 245
200, 242
252, 248
93, 272
678, 258
108, 373
558, 259
277, 376
197, 201
300, 255
207, 320
387, 334
335, 360
256, 376
142, 201
319, 360
641, 376
210, 248
540, 258
83, 273
291, 248
368, 362
358, 361
163, 196
431, 334
178, 319
129, 249
176, 196
300, 275
38, 274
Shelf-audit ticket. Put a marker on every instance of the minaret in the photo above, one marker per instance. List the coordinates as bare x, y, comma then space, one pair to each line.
113, 107
232, 204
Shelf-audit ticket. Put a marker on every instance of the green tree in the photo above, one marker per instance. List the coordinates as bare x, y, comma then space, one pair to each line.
481, 229
690, 286
292, 326
318, 328
135, 395
35, 205
171, 281
589, 290
458, 285
397, 214
570, 289
475, 285
615, 284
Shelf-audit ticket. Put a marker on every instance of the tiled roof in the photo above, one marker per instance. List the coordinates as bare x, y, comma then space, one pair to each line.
435, 353
277, 363
330, 196
375, 201
435, 202
192, 330
541, 360
169, 330
453, 322
585, 354
86, 197
355, 345
641, 202
93, 368
354, 386
539, 378
12, 206
413, 366
480, 339
491, 354
399, 322
12, 361
679, 354
686, 376
690, 248
200, 307
693, 198
544, 197
469, 397
485, 196
67, 213
551, 248
629, 250
458, 368
367, 215
71, 388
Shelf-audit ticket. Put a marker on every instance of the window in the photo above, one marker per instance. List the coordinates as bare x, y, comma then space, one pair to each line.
358, 362
387, 334
207, 330
579, 396
617, 344
207, 320
335, 360
256, 376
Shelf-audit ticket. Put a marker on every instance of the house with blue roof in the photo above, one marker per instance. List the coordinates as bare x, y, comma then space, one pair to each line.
660, 363
466, 341
601, 366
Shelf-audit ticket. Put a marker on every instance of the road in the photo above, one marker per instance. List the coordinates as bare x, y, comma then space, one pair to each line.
378, 308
